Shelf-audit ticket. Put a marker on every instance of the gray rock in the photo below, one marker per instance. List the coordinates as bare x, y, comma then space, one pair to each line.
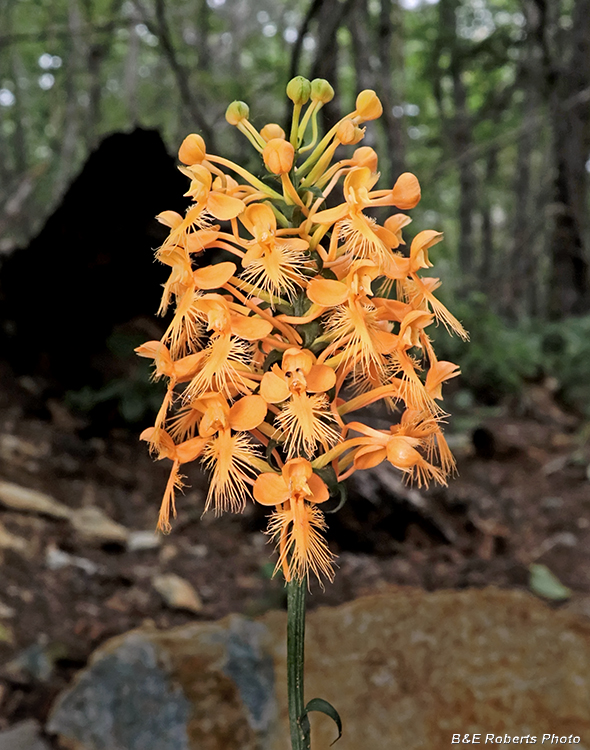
404, 669
124, 701
23, 736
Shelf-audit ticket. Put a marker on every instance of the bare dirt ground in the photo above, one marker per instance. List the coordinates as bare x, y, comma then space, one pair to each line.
522, 496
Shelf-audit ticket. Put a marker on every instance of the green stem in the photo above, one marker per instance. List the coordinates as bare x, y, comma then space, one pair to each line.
300, 739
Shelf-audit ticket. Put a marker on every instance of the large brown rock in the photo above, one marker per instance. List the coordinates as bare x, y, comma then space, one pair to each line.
406, 669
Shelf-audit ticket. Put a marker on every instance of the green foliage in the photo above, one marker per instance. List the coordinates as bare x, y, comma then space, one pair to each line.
502, 357
134, 395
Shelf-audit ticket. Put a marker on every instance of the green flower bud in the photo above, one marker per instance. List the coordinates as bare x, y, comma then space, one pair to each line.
236, 112
298, 90
321, 90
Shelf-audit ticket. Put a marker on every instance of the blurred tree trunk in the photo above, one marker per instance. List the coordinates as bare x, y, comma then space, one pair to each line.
390, 77
457, 128
331, 14
203, 24
74, 54
565, 60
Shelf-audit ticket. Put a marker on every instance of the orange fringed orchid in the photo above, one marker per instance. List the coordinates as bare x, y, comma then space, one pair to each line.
318, 314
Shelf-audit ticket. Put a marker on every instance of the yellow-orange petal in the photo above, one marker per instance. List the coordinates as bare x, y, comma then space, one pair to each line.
270, 489
298, 359
406, 191
396, 223
389, 239
327, 292
272, 130
319, 491
420, 244
320, 379
330, 215
186, 368
224, 207
386, 342
192, 150
196, 242
247, 413
151, 349
368, 105
391, 309
212, 277
250, 328
369, 456
359, 177
170, 219
438, 374
296, 471
401, 453
365, 156
278, 155
259, 218
190, 449
273, 388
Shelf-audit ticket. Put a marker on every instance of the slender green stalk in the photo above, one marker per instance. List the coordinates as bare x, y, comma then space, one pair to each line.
300, 739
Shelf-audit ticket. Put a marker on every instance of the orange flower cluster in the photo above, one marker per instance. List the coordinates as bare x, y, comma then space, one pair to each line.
318, 304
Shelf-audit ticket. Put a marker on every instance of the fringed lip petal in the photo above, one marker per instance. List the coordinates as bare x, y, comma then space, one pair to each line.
327, 292
247, 413
213, 277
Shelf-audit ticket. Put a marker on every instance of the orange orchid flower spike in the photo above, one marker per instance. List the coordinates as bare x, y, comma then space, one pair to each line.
321, 312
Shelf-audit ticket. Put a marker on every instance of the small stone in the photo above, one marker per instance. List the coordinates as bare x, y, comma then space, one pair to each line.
13, 542
177, 593
23, 499
55, 559
138, 541
6, 612
23, 736
6, 634
95, 527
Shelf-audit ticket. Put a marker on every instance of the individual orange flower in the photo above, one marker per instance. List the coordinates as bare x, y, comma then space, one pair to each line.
305, 420
226, 358
399, 449
228, 454
356, 230
272, 263
297, 523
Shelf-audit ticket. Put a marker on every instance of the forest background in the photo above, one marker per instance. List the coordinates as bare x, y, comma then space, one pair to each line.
486, 101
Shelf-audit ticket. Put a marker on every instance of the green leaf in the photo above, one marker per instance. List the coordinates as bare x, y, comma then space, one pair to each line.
309, 332
273, 357
546, 584
341, 488
323, 707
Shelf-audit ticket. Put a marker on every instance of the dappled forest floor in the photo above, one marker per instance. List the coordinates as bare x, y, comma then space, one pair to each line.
522, 497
